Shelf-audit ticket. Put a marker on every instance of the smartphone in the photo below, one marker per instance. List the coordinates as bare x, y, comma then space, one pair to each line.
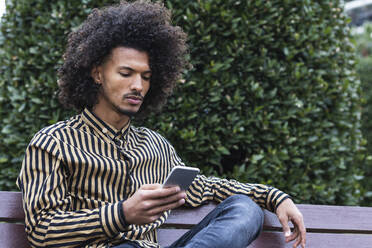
181, 176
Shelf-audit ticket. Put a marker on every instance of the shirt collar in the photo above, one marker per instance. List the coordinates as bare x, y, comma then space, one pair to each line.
102, 127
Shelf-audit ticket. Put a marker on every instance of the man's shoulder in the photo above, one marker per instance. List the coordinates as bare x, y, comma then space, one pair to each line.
142, 130
149, 134
57, 128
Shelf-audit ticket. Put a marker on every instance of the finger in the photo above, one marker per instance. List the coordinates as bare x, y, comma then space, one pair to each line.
293, 236
303, 242
284, 222
167, 200
148, 219
161, 192
161, 209
166, 192
297, 243
151, 186
300, 226
156, 186
303, 235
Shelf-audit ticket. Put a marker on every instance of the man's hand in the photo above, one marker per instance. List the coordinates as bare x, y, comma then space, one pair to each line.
287, 211
150, 201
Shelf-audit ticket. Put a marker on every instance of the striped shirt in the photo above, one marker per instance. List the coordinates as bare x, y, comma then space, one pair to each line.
77, 173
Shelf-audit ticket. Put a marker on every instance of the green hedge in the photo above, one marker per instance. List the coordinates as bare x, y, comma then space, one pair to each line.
272, 96
363, 42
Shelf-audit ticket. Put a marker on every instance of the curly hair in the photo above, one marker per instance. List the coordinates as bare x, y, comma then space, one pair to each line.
141, 25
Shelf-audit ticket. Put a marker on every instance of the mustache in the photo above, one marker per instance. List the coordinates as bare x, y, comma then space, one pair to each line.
133, 94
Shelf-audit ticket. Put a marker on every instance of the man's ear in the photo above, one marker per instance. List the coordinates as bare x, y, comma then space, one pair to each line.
96, 74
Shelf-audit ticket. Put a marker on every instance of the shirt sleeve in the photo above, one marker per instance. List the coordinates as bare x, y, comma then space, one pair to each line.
49, 218
204, 189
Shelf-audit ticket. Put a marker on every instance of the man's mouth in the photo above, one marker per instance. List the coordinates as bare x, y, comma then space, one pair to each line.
134, 99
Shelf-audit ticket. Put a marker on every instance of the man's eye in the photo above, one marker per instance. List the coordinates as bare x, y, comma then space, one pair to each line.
146, 78
124, 74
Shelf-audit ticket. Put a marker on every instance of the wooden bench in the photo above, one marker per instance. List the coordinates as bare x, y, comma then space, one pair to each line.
12, 229
327, 226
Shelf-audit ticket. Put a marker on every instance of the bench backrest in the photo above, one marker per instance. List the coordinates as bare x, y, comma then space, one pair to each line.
327, 226
12, 229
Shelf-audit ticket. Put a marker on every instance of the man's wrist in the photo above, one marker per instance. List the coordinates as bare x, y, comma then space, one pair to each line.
274, 198
281, 201
122, 214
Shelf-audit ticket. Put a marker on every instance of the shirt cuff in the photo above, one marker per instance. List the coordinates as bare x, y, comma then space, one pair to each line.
274, 198
112, 219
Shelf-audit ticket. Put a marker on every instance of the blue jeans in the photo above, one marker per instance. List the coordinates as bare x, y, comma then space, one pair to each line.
234, 223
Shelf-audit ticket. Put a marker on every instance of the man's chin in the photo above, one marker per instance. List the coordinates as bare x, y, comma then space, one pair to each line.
127, 112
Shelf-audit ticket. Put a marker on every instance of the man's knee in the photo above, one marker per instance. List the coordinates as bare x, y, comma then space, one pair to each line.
245, 209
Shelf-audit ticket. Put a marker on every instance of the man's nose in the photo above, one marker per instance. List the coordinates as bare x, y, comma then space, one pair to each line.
137, 83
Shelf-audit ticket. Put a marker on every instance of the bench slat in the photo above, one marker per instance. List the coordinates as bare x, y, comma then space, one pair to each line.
324, 218
13, 235
11, 208
318, 218
276, 239
318, 240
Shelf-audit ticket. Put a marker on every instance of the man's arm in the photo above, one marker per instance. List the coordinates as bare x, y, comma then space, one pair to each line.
205, 189
50, 217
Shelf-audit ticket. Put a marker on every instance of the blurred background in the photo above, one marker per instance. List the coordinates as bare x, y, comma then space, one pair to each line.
360, 12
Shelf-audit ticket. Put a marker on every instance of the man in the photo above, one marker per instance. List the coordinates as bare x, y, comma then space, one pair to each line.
95, 180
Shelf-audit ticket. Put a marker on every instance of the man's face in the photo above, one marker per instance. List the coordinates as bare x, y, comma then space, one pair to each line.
125, 80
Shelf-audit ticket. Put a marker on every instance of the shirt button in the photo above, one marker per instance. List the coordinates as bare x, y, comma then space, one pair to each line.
104, 130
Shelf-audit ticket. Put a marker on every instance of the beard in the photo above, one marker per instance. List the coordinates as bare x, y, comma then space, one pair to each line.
126, 112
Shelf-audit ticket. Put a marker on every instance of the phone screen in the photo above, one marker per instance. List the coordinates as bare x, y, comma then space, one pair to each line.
181, 176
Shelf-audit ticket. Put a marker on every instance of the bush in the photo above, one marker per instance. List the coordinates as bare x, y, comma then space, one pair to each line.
272, 96
364, 51
34, 34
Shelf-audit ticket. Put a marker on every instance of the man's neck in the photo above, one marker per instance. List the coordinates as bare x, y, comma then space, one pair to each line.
115, 119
